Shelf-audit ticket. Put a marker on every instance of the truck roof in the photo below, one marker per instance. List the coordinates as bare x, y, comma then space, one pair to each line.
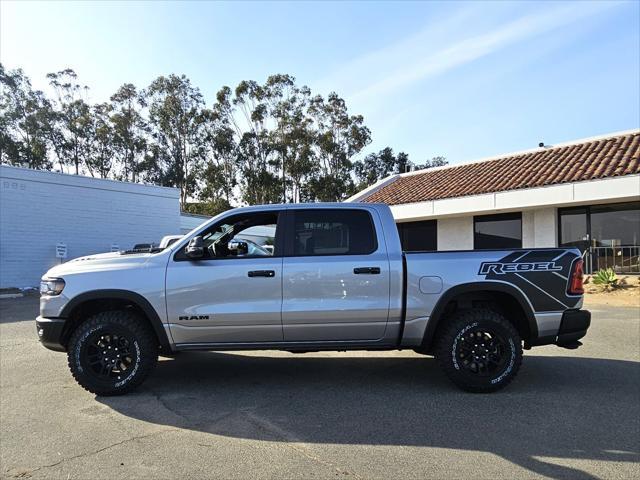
288, 206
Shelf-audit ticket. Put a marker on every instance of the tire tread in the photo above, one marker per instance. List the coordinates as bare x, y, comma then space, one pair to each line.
447, 335
143, 333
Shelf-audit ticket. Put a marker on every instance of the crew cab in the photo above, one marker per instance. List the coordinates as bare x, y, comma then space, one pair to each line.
336, 279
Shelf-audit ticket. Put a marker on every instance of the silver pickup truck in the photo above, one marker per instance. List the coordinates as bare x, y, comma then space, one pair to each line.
336, 278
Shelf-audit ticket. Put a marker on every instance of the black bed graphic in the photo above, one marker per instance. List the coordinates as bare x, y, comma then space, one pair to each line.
529, 270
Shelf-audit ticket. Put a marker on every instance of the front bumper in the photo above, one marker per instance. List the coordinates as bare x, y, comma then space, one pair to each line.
573, 327
50, 332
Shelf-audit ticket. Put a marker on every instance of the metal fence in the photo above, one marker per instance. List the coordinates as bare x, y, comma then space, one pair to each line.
620, 259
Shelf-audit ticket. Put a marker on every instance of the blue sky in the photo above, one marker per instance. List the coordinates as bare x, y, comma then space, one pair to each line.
461, 79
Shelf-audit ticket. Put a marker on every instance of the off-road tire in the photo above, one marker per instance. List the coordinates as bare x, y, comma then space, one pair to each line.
488, 328
121, 328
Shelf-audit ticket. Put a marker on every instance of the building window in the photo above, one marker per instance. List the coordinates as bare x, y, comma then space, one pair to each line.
608, 234
615, 225
419, 236
497, 231
574, 228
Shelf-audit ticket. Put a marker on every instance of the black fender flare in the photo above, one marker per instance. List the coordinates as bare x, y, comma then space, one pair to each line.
487, 286
129, 296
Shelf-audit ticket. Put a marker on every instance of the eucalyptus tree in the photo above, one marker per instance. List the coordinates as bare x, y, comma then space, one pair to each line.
70, 128
177, 125
432, 162
291, 134
339, 137
259, 143
375, 166
301, 159
103, 145
273, 137
246, 112
129, 130
24, 117
220, 174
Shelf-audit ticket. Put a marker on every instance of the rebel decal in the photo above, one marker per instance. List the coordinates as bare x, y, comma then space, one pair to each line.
502, 268
542, 275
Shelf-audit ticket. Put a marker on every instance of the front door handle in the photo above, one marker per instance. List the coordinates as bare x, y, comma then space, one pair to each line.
366, 270
261, 273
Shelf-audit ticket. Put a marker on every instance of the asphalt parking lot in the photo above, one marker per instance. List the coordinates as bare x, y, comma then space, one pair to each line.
569, 414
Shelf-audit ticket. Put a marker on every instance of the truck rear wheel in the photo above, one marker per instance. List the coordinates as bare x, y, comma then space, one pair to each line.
111, 353
479, 350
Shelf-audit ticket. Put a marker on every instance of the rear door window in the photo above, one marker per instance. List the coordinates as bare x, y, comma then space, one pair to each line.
319, 232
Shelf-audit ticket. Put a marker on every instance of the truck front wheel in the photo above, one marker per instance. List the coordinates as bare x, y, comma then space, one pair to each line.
111, 353
479, 350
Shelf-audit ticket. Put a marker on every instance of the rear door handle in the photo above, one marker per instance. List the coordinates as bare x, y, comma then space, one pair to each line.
262, 273
366, 270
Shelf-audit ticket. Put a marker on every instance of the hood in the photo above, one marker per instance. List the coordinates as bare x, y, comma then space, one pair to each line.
100, 262
97, 256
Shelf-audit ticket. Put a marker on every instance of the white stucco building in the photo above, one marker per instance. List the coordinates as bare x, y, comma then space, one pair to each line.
584, 193
43, 214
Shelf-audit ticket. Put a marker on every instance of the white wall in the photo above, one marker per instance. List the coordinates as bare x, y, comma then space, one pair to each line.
528, 229
546, 227
539, 230
39, 209
455, 233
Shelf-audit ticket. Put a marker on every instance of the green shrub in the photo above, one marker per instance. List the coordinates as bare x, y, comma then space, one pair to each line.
606, 277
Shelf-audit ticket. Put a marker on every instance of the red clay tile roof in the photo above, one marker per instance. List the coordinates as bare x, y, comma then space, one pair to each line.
602, 158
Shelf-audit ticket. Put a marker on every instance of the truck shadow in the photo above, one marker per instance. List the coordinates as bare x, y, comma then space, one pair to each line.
558, 407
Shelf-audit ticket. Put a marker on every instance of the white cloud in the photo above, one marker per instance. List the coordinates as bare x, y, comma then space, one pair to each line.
446, 44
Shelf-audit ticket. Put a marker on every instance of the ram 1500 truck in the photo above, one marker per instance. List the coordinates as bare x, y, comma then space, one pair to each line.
335, 279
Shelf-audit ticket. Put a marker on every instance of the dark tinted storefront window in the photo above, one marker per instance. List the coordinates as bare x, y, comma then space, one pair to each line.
574, 228
419, 236
615, 225
609, 234
497, 231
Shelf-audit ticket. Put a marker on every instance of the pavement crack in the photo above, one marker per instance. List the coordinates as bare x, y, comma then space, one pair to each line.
290, 441
163, 402
11, 345
188, 422
100, 450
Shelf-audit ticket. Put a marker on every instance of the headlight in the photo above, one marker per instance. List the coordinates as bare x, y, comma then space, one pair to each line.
51, 286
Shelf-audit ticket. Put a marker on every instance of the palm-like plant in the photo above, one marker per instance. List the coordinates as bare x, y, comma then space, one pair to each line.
606, 277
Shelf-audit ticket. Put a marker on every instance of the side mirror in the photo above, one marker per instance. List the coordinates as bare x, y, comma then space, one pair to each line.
195, 248
238, 247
